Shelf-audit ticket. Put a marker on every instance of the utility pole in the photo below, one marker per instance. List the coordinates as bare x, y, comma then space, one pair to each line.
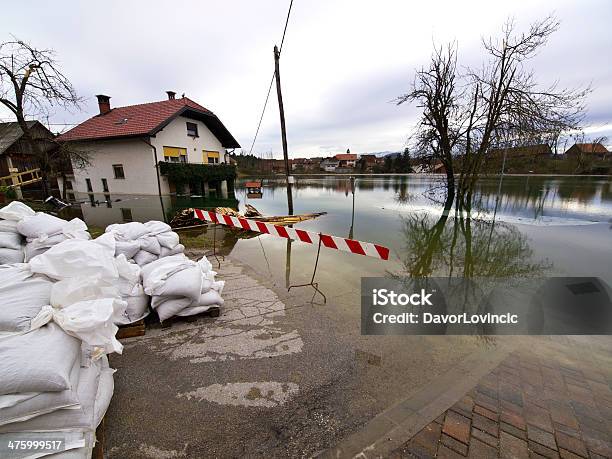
281, 111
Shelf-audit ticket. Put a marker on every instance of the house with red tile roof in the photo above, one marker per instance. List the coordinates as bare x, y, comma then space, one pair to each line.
594, 150
347, 159
125, 146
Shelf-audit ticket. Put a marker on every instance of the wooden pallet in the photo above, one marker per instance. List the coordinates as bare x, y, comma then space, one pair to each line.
98, 451
131, 330
212, 313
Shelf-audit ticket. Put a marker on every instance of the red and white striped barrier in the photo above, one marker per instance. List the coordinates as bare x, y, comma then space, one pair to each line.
331, 242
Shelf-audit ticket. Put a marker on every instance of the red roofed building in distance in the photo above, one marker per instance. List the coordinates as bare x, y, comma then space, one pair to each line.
126, 144
593, 150
347, 159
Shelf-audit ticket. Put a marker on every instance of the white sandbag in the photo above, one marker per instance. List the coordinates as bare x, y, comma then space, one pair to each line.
70, 291
143, 258
9, 226
74, 229
9, 256
129, 273
166, 252
78, 258
91, 321
127, 248
41, 402
106, 388
186, 283
38, 246
210, 298
83, 417
167, 307
155, 273
8, 400
50, 353
39, 224
14, 273
137, 306
155, 227
10, 240
168, 239
16, 211
22, 295
127, 231
150, 244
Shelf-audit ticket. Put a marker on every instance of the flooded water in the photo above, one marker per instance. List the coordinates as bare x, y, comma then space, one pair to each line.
521, 225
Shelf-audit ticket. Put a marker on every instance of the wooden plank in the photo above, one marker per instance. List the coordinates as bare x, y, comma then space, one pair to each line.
98, 451
131, 330
211, 313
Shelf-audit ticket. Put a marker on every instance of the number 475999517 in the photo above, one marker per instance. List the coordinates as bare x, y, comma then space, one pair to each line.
47, 445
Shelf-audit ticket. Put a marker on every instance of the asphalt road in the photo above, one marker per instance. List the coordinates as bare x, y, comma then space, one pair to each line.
274, 376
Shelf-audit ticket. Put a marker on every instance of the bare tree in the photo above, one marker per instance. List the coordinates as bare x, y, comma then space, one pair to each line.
467, 114
31, 82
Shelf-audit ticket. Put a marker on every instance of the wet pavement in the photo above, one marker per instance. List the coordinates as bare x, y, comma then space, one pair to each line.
277, 376
273, 376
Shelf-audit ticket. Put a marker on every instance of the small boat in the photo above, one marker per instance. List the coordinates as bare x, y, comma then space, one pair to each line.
185, 219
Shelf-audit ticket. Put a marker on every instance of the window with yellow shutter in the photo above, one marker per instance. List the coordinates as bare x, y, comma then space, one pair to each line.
210, 157
175, 154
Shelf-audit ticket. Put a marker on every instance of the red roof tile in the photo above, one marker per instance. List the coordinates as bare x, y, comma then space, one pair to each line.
346, 157
592, 148
132, 120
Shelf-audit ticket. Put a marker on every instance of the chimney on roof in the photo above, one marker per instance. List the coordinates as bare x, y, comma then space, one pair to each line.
103, 103
171, 95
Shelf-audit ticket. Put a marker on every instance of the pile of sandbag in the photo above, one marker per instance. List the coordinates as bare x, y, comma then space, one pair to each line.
145, 242
181, 287
12, 243
89, 271
22, 296
50, 390
58, 316
41, 231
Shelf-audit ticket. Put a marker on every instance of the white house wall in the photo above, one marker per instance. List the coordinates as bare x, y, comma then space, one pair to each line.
138, 167
175, 135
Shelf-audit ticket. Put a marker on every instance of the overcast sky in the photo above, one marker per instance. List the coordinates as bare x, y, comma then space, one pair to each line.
343, 62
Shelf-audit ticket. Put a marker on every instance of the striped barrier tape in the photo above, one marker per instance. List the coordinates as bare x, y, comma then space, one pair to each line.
332, 242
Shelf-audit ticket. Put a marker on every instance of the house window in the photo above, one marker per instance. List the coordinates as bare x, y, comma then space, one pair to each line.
192, 129
68, 185
210, 157
89, 187
126, 214
175, 154
105, 185
118, 171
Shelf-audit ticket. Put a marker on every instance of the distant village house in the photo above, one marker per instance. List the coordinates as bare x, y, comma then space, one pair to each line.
592, 150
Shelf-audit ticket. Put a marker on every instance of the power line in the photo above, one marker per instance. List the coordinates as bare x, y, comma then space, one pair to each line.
271, 80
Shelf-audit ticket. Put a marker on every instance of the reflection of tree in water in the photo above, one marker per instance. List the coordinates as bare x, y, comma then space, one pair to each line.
401, 193
577, 188
466, 247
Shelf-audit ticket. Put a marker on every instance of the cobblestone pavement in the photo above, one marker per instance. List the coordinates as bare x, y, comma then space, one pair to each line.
548, 400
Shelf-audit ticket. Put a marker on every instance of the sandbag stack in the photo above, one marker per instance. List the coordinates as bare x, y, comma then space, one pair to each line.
145, 242
59, 314
49, 391
55, 331
40, 230
181, 287
43, 231
12, 243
